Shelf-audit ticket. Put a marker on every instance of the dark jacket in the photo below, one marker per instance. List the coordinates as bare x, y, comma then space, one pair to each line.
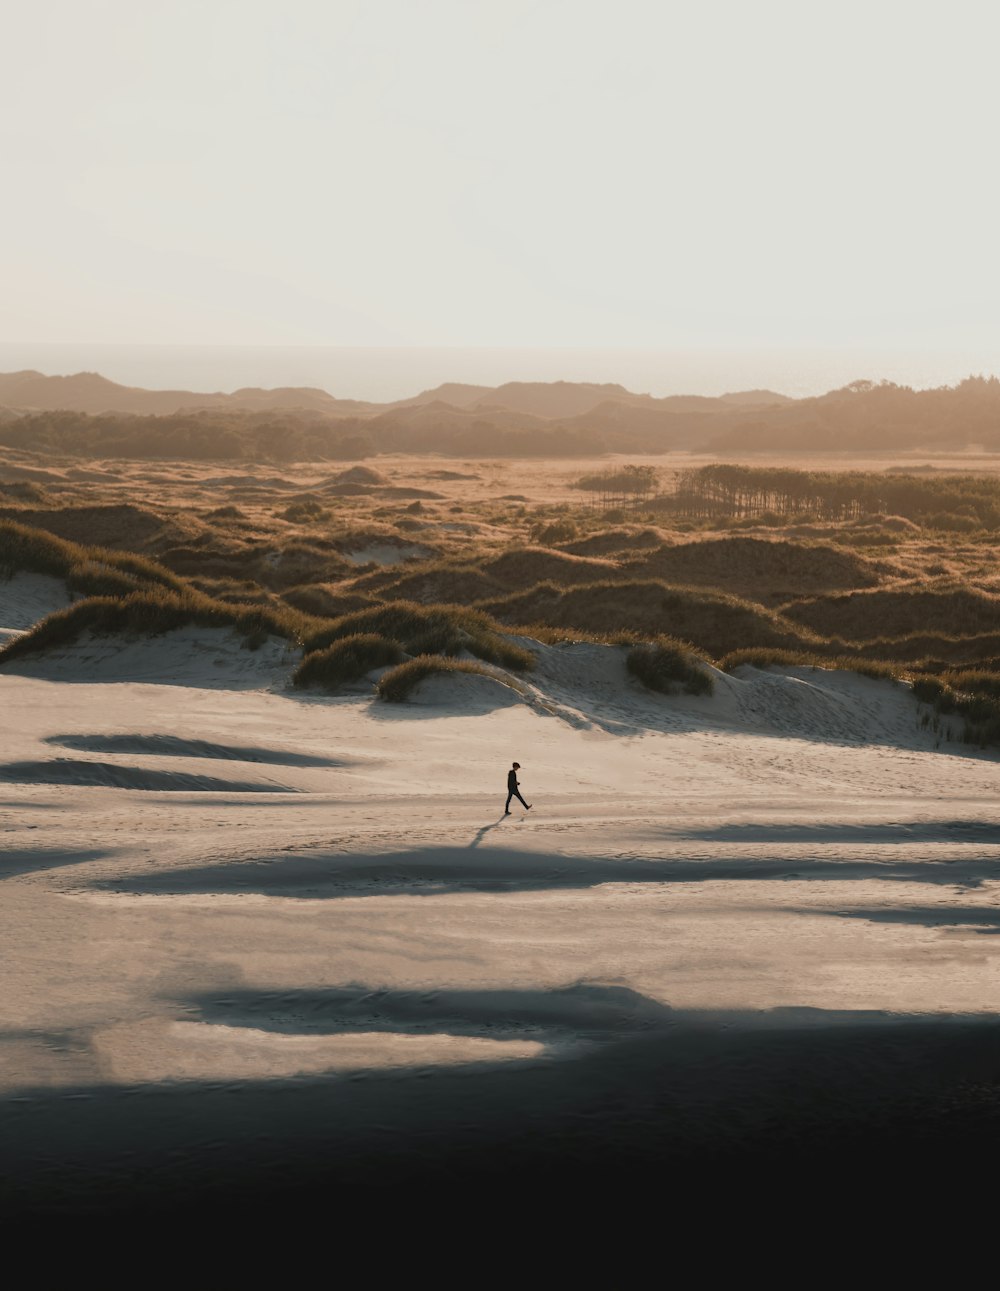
512, 780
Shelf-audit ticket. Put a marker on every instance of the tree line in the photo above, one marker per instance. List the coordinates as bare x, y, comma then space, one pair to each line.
751, 491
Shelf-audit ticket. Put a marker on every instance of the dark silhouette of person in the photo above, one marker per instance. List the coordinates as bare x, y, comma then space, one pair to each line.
513, 789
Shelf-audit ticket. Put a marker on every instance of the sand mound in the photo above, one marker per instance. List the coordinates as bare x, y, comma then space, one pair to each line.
610, 541
202, 658
818, 704
358, 475
467, 694
774, 567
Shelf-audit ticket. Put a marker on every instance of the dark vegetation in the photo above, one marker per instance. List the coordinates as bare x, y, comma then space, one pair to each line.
523, 420
346, 660
92, 571
428, 629
668, 667
190, 436
961, 503
151, 613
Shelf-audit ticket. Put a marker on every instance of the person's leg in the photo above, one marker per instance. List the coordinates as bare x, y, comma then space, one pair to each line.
506, 809
521, 800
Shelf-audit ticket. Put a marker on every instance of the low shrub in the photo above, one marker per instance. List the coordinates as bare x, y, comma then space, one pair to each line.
347, 660
304, 512
398, 684
23, 491
668, 666
556, 531
929, 690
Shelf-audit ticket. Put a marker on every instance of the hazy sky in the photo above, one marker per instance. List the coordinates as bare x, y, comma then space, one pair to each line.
500, 172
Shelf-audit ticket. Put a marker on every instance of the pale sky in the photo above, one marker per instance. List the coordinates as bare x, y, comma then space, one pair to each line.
500, 172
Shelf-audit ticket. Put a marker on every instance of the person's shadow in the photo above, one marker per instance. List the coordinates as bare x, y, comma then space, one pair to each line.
480, 834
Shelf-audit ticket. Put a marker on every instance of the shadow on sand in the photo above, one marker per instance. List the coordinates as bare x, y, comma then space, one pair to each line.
660, 1097
27, 860
973, 919
174, 746
438, 870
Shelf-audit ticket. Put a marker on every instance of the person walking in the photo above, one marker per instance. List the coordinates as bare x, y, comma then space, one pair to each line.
513, 789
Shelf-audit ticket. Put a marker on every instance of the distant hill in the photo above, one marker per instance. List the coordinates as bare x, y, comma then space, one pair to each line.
755, 398
89, 392
88, 415
30, 391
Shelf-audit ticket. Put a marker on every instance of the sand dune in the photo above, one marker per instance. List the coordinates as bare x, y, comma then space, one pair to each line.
719, 908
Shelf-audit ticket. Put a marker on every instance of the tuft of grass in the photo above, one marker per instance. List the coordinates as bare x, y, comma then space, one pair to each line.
972, 696
929, 690
348, 659
668, 666
305, 511
397, 685
555, 531
429, 630
568, 636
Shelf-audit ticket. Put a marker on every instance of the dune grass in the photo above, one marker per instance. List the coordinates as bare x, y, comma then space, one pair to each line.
152, 612
346, 660
919, 607
429, 630
972, 696
766, 565
397, 685
668, 667
713, 621
875, 668
94, 571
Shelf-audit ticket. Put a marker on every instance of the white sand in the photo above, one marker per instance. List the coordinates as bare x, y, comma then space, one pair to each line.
385, 553
360, 904
26, 598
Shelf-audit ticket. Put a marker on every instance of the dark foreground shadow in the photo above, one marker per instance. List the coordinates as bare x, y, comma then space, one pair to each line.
439, 870
655, 1098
